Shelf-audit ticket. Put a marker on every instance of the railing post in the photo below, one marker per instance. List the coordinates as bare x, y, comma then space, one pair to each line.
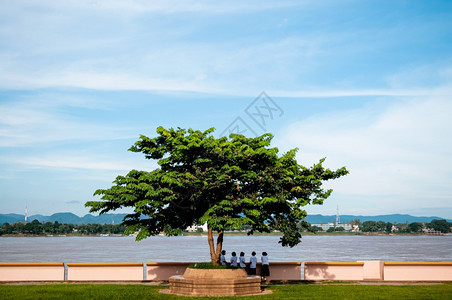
373, 270
145, 272
65, 271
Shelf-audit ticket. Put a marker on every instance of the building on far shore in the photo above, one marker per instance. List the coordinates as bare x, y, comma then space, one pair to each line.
194, 228
347, 227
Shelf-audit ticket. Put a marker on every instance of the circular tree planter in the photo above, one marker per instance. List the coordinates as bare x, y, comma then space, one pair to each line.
214, 282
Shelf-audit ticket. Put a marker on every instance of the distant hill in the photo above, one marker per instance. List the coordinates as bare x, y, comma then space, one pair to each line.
68, 218
399, 218
71, 218
11, 218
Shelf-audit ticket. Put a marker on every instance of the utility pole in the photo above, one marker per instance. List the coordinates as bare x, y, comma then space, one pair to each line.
338, 220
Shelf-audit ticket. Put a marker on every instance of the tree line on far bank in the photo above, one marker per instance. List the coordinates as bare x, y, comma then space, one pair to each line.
56, 228
442, 226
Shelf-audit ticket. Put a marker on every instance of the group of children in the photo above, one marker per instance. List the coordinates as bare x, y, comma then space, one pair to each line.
265, 271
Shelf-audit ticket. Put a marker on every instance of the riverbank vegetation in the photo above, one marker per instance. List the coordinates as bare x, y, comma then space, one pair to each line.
36, 228
57, 228
209, 265
294, 291
439, 226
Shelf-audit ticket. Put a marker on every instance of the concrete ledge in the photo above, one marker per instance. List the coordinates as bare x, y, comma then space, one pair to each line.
373, 270
284, 270
30, 264
162, 271
214, 282
339, 263
215, 287
433, 263
105, 271
31, 271
418, 271
104, 264
279, 271
333, 271
212, 274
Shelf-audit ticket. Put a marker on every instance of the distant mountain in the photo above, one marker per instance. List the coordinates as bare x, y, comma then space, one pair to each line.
399, 218
11, 218
70, 218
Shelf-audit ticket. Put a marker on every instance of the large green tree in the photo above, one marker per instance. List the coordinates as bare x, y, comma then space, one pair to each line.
440, 225
226, 182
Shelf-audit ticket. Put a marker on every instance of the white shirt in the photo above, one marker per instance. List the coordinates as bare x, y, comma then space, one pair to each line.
253, 262
222, 259
264, 260
234, 261
242, 261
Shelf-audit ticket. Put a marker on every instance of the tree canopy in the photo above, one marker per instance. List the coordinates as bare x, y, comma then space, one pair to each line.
440, 225
226, 182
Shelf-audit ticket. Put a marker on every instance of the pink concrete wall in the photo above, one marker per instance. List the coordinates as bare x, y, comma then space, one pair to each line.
163, 271
417, 271
283, 271
356, 271
31, 271
105, 271
373, 270
333, 271
278, 270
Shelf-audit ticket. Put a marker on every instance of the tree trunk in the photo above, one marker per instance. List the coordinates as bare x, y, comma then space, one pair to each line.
219, 245
213, 257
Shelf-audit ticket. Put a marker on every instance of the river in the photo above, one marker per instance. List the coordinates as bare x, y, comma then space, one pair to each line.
195, 248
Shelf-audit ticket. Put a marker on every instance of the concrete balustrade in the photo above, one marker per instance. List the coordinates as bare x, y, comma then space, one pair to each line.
418, 271
31, 271
162, 271
373, 270
283, 270
333, 271
105, 271
278, 270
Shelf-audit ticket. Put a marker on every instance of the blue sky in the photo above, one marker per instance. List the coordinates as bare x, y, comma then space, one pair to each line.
366, 84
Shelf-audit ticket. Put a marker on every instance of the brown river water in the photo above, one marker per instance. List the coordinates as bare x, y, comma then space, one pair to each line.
195, 248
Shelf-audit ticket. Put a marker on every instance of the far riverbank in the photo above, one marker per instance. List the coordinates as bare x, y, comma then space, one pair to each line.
232, 234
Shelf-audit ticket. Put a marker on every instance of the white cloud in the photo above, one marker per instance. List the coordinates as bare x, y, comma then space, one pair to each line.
143, 6
77, 162
101, 81
89, 44
42, 120
214, 67
317, 93
398, 153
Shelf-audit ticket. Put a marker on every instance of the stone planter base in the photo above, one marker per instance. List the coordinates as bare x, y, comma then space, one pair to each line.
215, 282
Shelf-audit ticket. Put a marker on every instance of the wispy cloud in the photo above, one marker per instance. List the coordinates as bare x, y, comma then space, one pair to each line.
333, 93
171, 6
79, 162
141, 45
47, 118
102, 81
216, 67
397, 151
66, 166
74, 202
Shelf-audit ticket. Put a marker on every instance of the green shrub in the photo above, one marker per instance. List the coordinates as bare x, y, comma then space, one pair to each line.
209, 265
